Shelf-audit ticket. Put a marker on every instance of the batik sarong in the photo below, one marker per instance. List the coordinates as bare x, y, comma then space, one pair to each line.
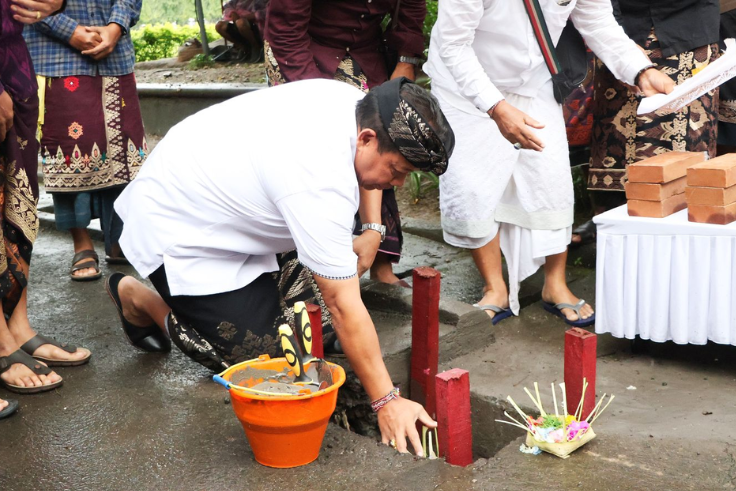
621, 138
18, 199
92, 135
226, 328
93, 144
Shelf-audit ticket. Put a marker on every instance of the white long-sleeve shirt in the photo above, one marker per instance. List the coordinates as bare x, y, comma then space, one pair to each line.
480, 48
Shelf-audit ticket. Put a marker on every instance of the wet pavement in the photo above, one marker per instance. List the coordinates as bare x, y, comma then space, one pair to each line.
136, 421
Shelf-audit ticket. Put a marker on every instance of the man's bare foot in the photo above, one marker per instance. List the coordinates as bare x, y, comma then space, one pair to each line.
498, 296
22, 332
562, 294
3, 404
84, 271
22, 376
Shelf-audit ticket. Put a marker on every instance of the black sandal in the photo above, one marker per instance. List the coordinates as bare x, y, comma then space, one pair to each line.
9, 409
37, 341
587, 233
92, 261
151, 338
21, 356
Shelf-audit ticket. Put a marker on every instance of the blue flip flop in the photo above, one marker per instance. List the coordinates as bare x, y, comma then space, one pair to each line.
9, 409
556, 309
501, 313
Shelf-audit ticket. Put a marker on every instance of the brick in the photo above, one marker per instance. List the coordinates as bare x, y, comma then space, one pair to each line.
655, 192
719, 215
315, 319
719, 172
663, 168
657, 209
710, 196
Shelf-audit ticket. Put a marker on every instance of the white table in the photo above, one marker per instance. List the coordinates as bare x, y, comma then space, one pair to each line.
665, 278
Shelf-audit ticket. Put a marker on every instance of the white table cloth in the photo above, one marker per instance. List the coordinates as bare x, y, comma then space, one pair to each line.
665, 278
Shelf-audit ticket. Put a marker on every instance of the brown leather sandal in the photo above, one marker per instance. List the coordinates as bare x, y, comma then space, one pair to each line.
36, 367
92, 261
38, 340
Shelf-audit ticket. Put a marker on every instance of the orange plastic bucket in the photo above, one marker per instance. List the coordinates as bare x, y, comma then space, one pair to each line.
284, 431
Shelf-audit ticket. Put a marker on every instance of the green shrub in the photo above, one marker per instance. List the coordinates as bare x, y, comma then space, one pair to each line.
163, 40
201, 61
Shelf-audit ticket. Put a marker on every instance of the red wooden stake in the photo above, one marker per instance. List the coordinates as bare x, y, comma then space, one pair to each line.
580, 362
454, 428
425, 336
315, 319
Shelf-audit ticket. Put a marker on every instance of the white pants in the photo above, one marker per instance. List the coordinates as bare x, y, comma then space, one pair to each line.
491, 187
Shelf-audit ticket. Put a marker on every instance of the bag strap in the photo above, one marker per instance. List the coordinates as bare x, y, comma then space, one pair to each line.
395, 19
536, 17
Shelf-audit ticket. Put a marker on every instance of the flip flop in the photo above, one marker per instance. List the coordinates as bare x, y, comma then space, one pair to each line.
150, 339
556, 309
36, 341
92, 260
501, 313
20, 356
117, 260
9, 409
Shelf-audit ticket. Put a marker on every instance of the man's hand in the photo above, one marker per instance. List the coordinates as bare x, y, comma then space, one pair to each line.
6, 114
32, 11
652, 82
84, 40
516, 126
397, 421
404, 70
110, 35
366, 247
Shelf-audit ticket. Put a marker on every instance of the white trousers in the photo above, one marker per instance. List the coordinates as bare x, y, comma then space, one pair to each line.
490, 187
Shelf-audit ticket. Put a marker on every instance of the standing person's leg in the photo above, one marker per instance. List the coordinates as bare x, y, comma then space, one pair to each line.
470, 190
389, 251
537, 207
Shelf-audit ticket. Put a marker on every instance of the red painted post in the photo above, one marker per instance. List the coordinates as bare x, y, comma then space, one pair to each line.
580, 362
315, 320
425, 336
454, 430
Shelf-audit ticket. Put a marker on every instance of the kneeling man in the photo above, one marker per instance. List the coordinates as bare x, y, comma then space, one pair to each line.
214, 204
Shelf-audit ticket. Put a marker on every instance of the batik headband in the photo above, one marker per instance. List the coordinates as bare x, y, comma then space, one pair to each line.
412, 135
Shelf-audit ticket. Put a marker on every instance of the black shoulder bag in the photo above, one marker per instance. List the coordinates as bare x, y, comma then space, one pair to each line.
568, 62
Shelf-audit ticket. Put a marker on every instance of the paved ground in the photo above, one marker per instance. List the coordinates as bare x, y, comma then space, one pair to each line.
130, 420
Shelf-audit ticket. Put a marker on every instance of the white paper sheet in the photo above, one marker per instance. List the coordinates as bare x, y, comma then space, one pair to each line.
718, 72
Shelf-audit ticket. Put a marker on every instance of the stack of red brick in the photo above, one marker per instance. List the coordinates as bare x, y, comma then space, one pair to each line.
711, 191
656, 186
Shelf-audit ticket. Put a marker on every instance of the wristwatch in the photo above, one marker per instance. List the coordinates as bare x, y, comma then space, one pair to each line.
413, 60
381, 229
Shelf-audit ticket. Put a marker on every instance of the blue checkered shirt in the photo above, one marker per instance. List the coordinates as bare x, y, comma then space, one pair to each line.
48, 40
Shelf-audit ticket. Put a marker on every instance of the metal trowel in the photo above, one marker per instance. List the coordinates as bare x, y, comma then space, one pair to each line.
318, 369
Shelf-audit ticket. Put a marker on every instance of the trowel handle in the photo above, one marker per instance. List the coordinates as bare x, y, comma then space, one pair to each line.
291, 352
303, 331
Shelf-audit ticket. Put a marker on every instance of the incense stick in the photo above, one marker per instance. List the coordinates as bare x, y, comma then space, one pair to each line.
511, 418
579, 409
518, 409
541, 407
564, 410
536, 403
514, 424
596, 407
604, 408
554, 398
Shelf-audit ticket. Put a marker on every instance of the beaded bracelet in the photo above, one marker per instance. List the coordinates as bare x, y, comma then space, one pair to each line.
379, 403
